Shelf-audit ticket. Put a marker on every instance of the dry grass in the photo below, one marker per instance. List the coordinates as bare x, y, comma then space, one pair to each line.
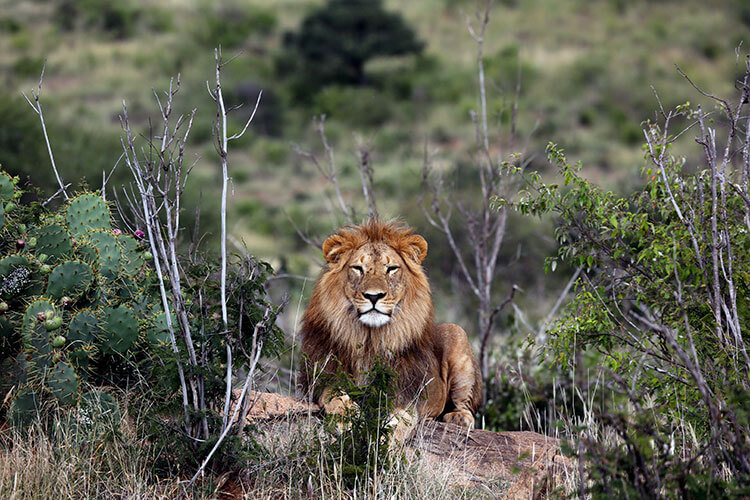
296, 468
69, 459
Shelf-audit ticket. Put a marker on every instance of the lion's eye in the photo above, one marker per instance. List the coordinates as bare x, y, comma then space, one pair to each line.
358, 269
392, 269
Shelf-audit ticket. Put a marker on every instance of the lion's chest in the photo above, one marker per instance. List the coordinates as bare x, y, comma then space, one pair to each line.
363, 360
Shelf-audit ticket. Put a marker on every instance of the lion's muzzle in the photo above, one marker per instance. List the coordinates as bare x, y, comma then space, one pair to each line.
373, 312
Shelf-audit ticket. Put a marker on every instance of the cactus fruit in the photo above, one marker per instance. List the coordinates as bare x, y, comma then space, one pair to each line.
53, 323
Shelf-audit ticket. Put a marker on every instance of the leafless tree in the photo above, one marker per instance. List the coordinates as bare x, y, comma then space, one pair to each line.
484, 219
155, 202
339, 209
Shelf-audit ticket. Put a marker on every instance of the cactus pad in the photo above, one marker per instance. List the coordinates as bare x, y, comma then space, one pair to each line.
70, 278
7, 187
120, 329
132, 258
109, 253
87, 212
63, 382
25, 406
88, 253
157, 334
83, 332
83, 329
54, 241
38, 348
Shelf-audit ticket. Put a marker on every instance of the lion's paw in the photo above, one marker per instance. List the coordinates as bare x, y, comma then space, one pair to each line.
343, 408
464, 418
402, 424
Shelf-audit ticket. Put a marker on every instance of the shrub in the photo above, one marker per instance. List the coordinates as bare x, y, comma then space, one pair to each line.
336, 41
664, 306
230, 25
118, 19
362, 449
361, 107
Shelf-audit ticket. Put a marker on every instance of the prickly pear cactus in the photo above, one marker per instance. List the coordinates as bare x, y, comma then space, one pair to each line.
73, 294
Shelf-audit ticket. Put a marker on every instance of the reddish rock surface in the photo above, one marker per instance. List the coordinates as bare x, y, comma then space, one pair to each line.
523, 465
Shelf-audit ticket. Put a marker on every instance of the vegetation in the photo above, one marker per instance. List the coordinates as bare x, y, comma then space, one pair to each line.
73, 289
662, 306
363, 445
336, 41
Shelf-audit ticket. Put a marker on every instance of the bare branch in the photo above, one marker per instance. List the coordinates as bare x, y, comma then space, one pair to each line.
37, 107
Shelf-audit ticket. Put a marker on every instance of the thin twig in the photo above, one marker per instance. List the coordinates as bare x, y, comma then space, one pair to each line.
37, 107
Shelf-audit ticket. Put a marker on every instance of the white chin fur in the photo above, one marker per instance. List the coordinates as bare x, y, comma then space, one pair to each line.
374, 319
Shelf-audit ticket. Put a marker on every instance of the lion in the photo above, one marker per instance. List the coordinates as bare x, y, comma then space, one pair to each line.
373, 301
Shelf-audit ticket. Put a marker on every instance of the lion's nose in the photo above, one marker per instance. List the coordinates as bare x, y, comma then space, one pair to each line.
373, 297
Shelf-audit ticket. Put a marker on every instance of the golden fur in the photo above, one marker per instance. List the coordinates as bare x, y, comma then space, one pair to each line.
373, 300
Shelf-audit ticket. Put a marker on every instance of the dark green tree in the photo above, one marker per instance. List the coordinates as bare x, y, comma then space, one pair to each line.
336, 41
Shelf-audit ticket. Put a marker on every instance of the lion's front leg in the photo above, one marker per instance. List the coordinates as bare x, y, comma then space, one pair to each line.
403, 423
461, 374
340, 405
461, 393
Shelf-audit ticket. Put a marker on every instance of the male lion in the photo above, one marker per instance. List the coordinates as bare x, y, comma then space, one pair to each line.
372, 301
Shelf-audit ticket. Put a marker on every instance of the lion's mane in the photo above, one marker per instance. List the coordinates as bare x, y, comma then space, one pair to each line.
332, 337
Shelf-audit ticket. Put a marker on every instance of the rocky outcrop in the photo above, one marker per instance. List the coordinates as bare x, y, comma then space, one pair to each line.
523, 465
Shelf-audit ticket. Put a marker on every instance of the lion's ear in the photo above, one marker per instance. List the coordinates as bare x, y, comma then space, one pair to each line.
416, 248
334, 246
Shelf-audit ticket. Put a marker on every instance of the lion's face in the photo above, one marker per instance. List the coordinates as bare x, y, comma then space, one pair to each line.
375, 283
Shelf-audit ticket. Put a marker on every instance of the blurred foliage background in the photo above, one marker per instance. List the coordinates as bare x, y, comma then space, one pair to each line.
586, 70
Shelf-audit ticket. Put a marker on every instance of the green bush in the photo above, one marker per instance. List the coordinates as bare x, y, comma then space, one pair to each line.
649, 308
118, 19
362, 449
336, 41
230, 25
361, 107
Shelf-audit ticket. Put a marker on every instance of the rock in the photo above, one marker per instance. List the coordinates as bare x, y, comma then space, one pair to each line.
269, 406
527, 463
523, 465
